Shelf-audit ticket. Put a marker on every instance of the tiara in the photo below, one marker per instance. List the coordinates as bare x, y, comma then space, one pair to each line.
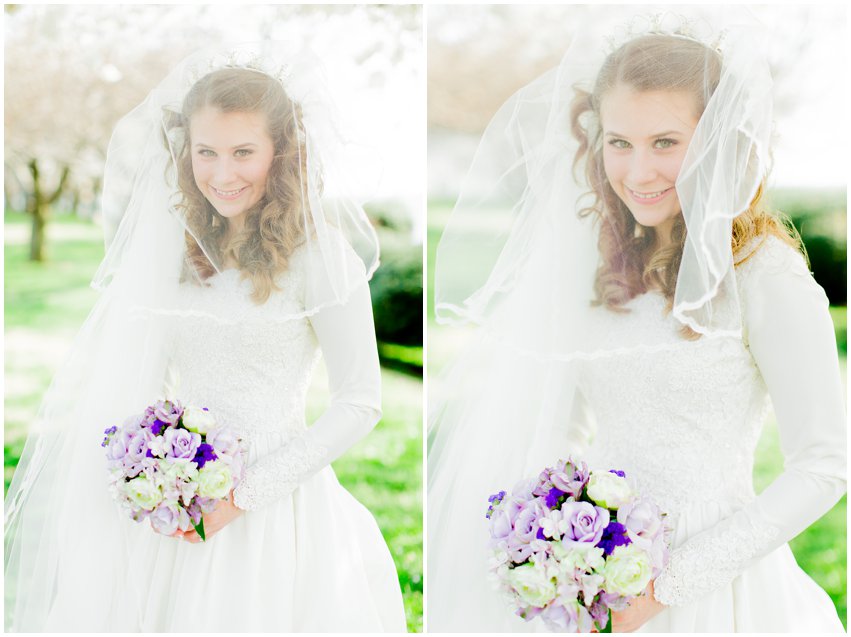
239, 59
666, 23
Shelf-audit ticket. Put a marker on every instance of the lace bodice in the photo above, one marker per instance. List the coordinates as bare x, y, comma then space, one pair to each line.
682, 418
251, 365
248, 368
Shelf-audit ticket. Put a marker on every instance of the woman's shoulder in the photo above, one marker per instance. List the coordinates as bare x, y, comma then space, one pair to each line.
768, 254
773, 273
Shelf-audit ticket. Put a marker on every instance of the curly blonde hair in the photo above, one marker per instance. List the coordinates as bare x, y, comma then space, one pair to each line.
274, 227
630, 264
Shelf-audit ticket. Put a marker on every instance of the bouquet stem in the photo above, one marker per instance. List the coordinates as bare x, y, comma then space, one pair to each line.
199, 528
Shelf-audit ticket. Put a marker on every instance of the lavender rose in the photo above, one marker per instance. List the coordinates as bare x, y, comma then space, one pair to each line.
164, 519
223, 441
642, 519
585, 522
526, 524
167, 411
180, 443
570, 477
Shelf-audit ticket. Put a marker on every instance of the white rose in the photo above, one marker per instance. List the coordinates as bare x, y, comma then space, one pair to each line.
143, 492
214, 480
532, 584
197, 420
628, 571
608, 489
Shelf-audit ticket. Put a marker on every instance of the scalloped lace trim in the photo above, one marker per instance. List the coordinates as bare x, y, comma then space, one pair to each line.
709, 562
278, 474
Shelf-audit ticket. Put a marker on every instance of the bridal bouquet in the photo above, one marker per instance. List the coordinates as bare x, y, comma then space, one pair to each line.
170, 464
572, 545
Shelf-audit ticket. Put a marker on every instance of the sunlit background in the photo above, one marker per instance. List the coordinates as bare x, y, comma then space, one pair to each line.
479, 55
71, 71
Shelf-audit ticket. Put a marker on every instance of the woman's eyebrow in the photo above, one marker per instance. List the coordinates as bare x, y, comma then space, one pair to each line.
665, 134
203, 145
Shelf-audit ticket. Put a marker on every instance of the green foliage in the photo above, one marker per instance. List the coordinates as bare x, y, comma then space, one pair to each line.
46, 303
820, 217
397, 291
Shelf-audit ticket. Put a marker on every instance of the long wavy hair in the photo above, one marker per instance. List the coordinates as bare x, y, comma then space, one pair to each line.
275, 226
630, 264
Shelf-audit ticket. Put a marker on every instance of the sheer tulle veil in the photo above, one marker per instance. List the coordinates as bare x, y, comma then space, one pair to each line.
518, 261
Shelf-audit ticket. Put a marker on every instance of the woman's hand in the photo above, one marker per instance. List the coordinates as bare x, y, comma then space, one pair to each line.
640, 611
224, 513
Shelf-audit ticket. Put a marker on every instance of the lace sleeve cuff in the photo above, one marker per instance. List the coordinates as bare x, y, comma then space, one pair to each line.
708, 562
278, 474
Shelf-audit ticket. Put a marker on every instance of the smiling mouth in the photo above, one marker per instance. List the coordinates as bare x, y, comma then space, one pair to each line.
649, 196
228, 194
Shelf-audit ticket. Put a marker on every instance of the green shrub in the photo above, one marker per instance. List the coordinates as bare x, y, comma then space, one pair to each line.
397, 291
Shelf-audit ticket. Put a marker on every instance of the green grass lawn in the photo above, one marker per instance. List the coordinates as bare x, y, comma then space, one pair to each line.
821, 550
46, 303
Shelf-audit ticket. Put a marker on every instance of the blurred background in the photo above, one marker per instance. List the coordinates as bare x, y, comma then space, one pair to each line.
72, 71
479, 55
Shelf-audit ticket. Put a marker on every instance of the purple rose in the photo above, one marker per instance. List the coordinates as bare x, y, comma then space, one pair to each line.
180, 443
518, 550
137, 448
567, 476
224, 441
526, 523
164, 411
571, 478
586, 522
560, 619
164, 519
642, 519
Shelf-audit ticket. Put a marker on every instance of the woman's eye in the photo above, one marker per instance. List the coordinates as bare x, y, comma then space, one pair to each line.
665, 143
619, 143
206, 152
243, 152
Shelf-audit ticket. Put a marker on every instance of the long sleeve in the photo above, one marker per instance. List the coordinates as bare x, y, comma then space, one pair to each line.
790, 335
346, 335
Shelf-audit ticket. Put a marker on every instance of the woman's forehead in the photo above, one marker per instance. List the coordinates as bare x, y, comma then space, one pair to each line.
626, 111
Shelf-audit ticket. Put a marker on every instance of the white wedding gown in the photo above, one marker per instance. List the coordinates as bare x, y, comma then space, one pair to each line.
305, 556
684, 423
682, 418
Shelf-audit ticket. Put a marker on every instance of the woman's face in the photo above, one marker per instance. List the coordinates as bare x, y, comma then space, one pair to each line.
231, 157
645, 137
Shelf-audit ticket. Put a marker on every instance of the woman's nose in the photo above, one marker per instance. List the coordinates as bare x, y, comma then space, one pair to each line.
642, 168
224, 172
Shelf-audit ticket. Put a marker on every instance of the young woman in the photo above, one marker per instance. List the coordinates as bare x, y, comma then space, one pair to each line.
637, 314
228, 275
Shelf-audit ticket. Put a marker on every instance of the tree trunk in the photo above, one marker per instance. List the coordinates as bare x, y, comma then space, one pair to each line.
38, 205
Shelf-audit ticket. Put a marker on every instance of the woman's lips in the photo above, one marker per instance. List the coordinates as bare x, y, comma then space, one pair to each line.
649, 197
228, 195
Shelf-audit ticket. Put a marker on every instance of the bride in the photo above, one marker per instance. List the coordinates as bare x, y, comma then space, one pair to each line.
637, 307
229, 270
